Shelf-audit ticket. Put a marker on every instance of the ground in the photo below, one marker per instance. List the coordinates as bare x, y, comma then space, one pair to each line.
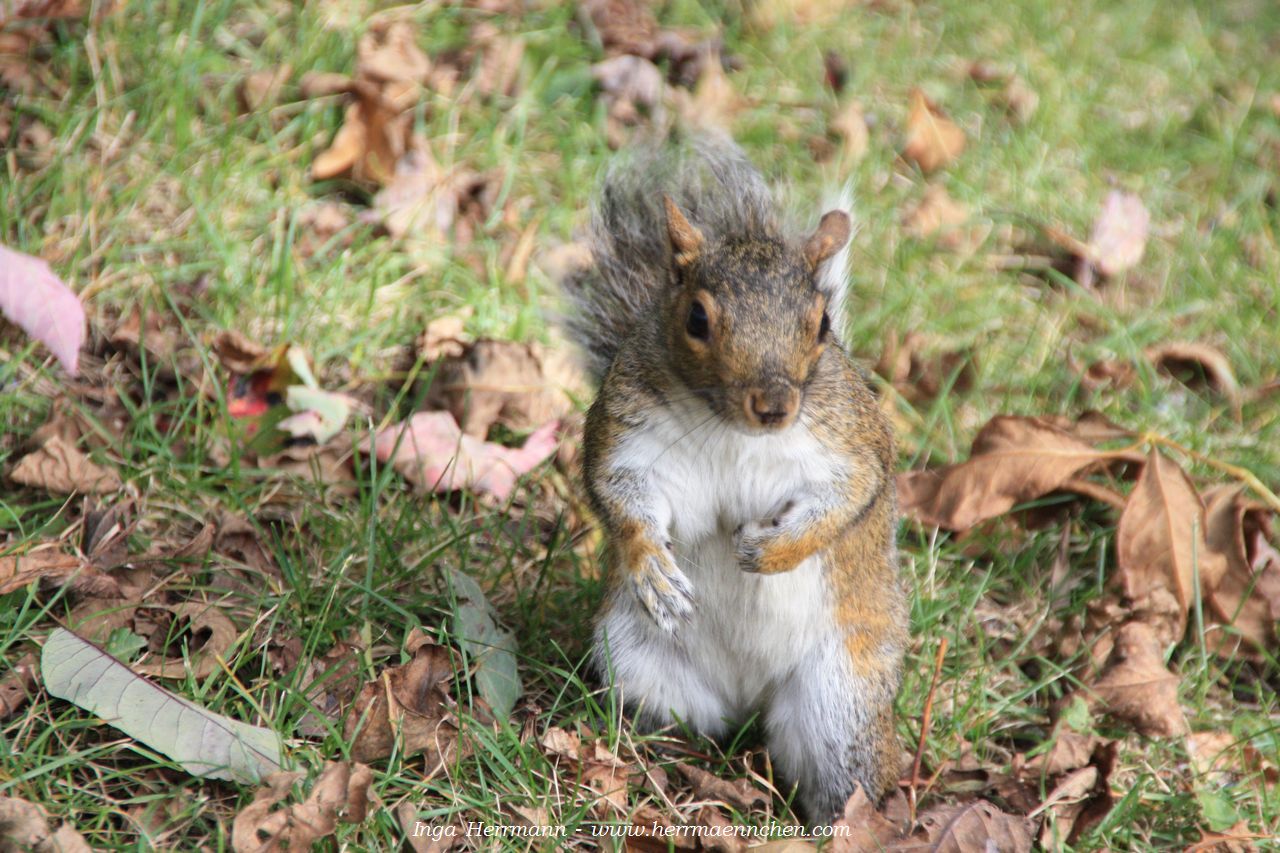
155, 189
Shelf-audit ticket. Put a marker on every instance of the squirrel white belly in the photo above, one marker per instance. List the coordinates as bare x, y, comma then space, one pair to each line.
741, 469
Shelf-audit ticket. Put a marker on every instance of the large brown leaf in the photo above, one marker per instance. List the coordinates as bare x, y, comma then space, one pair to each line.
933, 140
1160, 542
1137, 687
1246, 595
1013, 460
340, 794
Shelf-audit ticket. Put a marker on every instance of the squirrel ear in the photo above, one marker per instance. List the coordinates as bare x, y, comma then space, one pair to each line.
686, 241
833, 232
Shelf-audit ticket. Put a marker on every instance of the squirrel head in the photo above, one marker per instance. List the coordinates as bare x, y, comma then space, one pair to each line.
748, 319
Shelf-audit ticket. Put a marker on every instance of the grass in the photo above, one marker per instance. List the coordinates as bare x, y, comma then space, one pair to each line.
154, 185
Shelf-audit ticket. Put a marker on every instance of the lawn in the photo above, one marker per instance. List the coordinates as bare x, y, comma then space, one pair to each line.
133, 166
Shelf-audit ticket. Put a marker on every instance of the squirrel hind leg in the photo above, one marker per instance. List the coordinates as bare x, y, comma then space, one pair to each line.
655, 677
830, 729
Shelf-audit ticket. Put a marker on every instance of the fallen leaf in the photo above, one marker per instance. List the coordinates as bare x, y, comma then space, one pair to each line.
204, 619
319, 84
491, 648
373, 137
419, 198
499, 68
1013, 460
1246, 596
408, 705
431, 452
261, 89
24, 827
935, 212
1119, 235
624, 26
860, 827
520, 386
933, 140
850, 126
1019, 99
427, 837
35, 299
1137, 687
973, 826
1160, 541
1193, 363
18, 686
341, 793
201, 742
738, 793
57, 466
237, 352
715, 102
921, 377
444, 337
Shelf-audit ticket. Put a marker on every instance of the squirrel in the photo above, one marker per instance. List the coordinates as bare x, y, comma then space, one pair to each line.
741, 469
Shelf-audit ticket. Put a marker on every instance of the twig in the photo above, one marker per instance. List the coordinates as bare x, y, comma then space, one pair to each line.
925, 719
1242, 474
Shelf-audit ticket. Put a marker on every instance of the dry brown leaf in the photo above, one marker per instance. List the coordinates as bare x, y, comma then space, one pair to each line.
499, 70
373, 137
1195, 363
521, 386
16, 571
1160, 542
860, 827
850, 126
738, 793
318, 84
388, 53
933, 140
969, 827
410, 702
57, 466
937, 211
715, 102
1246, 595
425, 837
652, 831
624, 26
237, 352
24, 827
341, 793
1019, 99
921, 377
207, 622
1137, 687
1013, 460
261, 89
18, 685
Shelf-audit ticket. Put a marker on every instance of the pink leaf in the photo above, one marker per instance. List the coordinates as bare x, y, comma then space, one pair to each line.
45, 308
1120, 234
434, 454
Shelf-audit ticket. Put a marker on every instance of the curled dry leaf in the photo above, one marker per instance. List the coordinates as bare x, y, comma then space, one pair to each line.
977, 825
738, 793
24, 827
1194, 363
444, 337
1013, 460
35, 299
936, 212
261, 89
850, 126
206, 621
933, 140
1246, 595
411, 703
18, 686
342, 793
59, 467
431, 452
919, 376
521, 386
1137, 687
860, 827
1160, 542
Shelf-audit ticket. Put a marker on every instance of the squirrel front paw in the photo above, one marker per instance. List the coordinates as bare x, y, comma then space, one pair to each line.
758, 544
663, 589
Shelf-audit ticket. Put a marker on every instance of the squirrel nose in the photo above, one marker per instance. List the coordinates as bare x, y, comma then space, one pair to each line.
772, 407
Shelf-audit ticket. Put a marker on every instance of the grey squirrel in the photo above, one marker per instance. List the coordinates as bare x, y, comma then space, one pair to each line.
742, 471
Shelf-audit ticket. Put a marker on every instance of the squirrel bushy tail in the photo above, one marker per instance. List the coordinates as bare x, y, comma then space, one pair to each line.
711, 180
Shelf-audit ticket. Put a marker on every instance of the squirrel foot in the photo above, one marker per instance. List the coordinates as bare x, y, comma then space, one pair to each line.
663, 590
753, 538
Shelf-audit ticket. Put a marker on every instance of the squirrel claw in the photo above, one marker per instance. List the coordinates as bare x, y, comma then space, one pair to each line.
664, 591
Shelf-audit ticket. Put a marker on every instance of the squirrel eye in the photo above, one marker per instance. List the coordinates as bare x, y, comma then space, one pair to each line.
824, 327
697, 325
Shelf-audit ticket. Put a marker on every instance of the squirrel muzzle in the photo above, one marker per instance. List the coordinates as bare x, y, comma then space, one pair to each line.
771, 407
